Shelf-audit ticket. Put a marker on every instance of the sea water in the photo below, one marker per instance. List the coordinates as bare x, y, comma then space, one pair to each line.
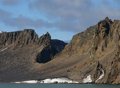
58, 86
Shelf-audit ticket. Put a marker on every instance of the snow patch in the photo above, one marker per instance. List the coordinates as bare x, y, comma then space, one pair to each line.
29, 81
58, 80
3, 49
101, 76
54, 80
88, 79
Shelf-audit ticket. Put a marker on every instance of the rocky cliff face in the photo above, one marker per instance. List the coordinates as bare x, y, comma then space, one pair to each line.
93, 55
101, 45
18, 38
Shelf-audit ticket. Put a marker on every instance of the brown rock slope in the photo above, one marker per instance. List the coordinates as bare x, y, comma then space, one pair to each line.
94, 52
21, 51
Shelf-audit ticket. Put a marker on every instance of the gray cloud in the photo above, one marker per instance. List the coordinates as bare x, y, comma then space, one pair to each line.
4, 15
76, 15
21, 21
61, 8
71, 15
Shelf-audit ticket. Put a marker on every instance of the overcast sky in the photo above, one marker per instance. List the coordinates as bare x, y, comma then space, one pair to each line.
62, 18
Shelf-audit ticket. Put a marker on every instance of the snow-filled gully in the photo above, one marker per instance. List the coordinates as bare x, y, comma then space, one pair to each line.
101, 76
3, 49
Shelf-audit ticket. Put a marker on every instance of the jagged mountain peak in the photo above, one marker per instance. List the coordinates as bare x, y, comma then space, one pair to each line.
48, 34
29, 30
45, 39
107, 19
106, 23
24, 37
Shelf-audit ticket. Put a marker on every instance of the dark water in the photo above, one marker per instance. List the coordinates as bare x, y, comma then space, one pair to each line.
57, 86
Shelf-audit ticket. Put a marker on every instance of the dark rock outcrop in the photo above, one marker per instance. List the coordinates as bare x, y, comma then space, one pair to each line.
45, 39
50, 51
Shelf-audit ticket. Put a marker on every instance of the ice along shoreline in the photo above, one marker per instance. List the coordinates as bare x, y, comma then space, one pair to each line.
49, 80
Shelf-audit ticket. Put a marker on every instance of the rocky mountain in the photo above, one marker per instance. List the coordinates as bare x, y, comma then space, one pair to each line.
92, 56
98, 52
20, 51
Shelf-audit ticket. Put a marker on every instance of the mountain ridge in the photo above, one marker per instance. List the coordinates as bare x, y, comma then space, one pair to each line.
19, 53
95, 45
